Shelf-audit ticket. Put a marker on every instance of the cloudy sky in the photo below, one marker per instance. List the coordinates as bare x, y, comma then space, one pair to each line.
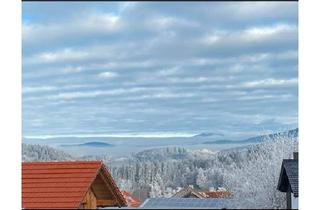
152, 67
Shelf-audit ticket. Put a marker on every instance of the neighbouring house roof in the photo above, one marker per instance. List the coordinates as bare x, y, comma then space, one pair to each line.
179, 203
132, 201
64, 184
189, 192
289, 177
218, 194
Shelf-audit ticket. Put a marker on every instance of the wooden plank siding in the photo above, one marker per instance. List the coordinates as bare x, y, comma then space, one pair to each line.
90, 200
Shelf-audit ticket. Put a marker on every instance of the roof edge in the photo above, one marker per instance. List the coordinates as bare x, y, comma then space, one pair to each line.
115, 187
91, 182
144, 203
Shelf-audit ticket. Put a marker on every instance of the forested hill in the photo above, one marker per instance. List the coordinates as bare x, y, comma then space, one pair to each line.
249, 172
292, 134
35, 152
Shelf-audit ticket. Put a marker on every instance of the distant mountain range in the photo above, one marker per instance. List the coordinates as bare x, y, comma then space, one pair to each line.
89, 144
291, 134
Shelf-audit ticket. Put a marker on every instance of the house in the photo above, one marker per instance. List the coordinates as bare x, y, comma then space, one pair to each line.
131, 200
190, 203
69, 185
190, 192
218, 194
289, 182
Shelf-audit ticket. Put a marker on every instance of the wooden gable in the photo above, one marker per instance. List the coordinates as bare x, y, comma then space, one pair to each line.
69, 184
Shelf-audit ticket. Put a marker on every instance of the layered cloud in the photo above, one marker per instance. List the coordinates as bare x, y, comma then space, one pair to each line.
153, 67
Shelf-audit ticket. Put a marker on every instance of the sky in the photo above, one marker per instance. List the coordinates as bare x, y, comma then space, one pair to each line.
159, 68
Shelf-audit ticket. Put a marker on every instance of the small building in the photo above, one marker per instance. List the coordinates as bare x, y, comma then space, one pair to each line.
190, 192
69, 185
190, 203
131, 200
218, 194
289, 181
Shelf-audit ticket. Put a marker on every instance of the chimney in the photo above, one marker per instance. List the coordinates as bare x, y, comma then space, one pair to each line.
295, 155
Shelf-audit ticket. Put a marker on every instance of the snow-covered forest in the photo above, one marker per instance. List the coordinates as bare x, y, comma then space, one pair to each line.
250, 173
34, 152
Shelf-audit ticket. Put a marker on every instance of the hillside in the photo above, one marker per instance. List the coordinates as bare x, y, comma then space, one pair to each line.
35, 152
292, 134
161, 154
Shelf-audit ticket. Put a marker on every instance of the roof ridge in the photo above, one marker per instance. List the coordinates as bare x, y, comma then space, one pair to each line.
113, 183
63, 162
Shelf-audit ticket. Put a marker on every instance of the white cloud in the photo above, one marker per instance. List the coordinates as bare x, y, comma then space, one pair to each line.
166, 22
254, 10
108, 75
268, 31
166, 95
92, 94
265, 97
98, 22
126, 64
212, 39
67, 54
214, 36
188, 79
72, 69
73, 95
205, 61
88, 24
236, 38
27, 31
38, 89
292, 54
168, 71
72, 54
126, 5
199, 57
271, 83
199, 79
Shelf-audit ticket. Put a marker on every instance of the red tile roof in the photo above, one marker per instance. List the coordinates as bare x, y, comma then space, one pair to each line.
132, 201
190, 192
60, 184
218, 194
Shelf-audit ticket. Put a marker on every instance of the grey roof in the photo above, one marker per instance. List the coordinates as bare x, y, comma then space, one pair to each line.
289, 177
178, 203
